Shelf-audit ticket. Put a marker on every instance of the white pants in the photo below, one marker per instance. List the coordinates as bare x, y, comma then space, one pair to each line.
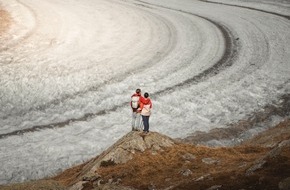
137, 123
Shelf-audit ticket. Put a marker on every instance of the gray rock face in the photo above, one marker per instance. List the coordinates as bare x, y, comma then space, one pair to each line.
125, 148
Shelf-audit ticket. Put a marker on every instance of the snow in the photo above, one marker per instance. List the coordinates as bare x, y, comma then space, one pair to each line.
62, 60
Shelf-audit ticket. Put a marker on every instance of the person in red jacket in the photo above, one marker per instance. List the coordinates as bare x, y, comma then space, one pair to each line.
145, 108
135, 105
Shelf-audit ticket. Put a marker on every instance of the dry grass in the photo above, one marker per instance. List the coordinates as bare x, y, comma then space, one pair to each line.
69, 176
165, 169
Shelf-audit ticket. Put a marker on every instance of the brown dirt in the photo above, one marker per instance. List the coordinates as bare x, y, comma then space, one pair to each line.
5, 21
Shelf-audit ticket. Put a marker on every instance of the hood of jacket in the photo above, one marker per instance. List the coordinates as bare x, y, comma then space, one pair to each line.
146, 101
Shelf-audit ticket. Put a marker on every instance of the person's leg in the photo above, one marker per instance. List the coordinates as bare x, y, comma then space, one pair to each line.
133, 120
148, 123
139, 122
145, 122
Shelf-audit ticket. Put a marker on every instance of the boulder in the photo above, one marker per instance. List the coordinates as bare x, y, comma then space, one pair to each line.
125, 148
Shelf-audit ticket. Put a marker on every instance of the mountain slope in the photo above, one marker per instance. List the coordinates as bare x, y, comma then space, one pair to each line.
252, 165
154, 161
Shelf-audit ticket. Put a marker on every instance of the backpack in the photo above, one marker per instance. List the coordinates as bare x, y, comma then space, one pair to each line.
135, 101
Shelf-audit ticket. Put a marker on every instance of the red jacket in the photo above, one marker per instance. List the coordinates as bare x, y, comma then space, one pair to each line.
144, 101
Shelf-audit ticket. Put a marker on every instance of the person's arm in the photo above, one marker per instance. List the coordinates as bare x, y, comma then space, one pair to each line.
141, 107
141, 99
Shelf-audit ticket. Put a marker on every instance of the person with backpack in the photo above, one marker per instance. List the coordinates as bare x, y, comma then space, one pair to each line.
135, 105
145, 108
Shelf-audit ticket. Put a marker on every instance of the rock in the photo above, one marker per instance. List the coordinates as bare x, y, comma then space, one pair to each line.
106, 163
271, 154
118, 181
124, 149
188, 156
78, 186
209, 161
110, 181
133, 142
186, 172
100, 182
284, 184
202, 177
285, 143
215, 187
92, 177
255, 167
151, 186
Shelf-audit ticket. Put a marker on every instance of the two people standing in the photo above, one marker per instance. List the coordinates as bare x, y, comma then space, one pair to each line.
141, 107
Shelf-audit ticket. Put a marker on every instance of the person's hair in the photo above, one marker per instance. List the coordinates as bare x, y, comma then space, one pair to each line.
138, 90
146, 95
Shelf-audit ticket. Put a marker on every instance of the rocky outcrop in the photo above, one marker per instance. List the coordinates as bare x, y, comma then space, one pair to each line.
124, 149
121, 152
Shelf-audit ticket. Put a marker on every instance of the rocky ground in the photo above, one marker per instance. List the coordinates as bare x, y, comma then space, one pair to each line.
155, 161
